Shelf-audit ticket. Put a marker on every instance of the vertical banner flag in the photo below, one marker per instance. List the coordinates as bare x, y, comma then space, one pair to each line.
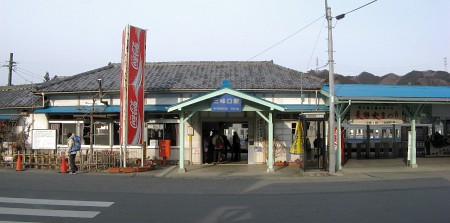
132, 85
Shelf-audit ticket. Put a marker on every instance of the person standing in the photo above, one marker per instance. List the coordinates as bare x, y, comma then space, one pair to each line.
236, 154
218, 143
207, 148
318, 144
72, 152
226, 146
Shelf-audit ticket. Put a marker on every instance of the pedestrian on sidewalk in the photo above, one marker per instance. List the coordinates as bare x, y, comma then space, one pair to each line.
72, 149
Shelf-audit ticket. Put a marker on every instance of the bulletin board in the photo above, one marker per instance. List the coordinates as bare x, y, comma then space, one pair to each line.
44, 139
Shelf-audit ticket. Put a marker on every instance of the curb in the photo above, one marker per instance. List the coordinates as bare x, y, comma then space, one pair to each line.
166, 171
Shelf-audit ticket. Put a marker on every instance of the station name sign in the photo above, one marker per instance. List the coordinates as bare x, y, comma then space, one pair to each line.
226, 103
376, 114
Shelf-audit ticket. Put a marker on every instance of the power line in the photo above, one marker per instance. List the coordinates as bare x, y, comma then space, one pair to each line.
341, 16
29, 73
19, 74
315, 45
278, 43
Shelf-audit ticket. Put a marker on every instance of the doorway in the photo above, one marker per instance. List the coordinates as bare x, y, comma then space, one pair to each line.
235, 135
315, 151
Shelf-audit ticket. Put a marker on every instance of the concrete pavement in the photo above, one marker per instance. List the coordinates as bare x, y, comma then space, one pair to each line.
353, 169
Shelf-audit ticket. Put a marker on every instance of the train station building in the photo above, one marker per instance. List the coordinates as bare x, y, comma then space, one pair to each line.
279, 115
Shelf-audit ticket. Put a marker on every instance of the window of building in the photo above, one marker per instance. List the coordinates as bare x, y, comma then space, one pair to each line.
163, 131
62, 129
101, 134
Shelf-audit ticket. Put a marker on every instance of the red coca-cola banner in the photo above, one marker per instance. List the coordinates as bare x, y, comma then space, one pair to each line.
132, 85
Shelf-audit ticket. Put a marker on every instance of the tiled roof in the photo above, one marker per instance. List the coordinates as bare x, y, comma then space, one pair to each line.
191, 76
18, 97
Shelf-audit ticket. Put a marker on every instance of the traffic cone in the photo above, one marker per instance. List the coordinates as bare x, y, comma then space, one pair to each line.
19, 162
63, 165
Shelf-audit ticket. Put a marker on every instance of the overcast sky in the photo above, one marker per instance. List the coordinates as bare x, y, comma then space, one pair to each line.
74, 36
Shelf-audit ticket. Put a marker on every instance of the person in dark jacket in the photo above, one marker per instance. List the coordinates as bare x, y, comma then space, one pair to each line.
236, 148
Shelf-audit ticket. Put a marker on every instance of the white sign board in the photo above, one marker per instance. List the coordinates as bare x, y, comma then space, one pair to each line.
376, 114
44, 139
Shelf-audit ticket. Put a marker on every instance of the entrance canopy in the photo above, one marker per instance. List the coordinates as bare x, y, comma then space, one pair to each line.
247, 103
203, 102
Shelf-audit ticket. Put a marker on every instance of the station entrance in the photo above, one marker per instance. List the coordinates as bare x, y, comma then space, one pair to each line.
235, 142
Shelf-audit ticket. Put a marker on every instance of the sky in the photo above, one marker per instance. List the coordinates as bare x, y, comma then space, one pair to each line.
68, 37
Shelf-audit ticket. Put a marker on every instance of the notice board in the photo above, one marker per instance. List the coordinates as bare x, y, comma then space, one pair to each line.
44, 139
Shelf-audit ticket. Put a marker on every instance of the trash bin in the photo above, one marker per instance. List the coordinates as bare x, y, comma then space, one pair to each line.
164, 148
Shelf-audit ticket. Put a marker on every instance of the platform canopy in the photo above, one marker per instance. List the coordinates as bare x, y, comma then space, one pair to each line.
368, 93
413, 100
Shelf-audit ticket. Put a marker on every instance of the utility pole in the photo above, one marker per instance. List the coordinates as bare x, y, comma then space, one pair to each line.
317, 64
445, 64
331, 121
91, 131
10, 66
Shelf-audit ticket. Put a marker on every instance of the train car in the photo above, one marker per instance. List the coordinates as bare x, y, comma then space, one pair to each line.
384, 141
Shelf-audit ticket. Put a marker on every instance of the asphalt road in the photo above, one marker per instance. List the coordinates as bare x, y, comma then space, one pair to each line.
40, 196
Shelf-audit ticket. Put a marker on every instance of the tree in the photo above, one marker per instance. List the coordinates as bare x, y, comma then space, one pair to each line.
47, 77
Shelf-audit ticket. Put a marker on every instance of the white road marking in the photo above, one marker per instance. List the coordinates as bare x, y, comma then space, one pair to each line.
17, 222
55, 202
49, 212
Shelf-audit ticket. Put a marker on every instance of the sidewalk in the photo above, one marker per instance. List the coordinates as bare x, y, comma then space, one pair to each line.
353, 169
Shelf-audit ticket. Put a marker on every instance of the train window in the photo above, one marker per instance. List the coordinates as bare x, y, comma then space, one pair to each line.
386, 133
351, 133
371, 133
377, 133
360, 133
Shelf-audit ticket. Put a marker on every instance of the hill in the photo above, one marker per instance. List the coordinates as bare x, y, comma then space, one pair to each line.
425, 78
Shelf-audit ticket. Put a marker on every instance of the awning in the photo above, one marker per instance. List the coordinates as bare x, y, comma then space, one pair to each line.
95, 109
305, 108
9, 117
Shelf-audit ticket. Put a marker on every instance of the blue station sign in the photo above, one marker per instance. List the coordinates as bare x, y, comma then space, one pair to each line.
226, 103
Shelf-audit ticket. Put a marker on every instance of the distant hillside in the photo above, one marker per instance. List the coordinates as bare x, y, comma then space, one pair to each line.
367, 78
425, 78
390, 79
338, 79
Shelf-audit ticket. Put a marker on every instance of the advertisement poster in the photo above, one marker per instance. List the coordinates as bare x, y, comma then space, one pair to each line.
132, 85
